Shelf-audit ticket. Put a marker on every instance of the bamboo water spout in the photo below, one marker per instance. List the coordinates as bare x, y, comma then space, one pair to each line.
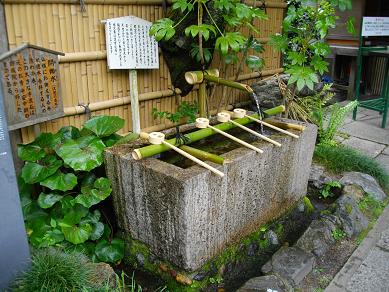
158, 138
225, 117
203, 123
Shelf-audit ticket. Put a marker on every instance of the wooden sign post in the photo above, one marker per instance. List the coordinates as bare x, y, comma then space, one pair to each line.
129, 46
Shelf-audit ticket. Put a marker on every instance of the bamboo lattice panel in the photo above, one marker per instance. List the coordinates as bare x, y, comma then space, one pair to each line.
63, 27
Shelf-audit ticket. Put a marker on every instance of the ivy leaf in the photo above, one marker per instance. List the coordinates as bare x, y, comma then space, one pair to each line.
104, 126
279, 42
110, 252
254, 62
60, 181
319, 64
34, 172
46, 201
30, 152
85, 153
231, 40
92, 195
183, 5
162, 29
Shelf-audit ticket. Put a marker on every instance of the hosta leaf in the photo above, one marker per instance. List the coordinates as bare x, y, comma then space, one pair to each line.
60, 181
77, 234
104, 126
85, 153
30, 152
92, 195
110, 252
46, 201
34, 172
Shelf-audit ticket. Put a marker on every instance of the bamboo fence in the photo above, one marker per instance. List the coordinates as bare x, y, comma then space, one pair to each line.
85, 79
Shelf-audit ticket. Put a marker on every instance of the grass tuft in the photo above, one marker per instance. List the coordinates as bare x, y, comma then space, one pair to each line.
56, 271
340, 158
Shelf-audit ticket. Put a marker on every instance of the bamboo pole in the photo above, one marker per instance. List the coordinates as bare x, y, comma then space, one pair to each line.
152, 150
157, 138
256, 134
203, 155
273, 127
283, 125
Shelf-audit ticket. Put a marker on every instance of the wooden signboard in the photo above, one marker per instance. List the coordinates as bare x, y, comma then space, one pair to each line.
375, 26
31, 86
129, 46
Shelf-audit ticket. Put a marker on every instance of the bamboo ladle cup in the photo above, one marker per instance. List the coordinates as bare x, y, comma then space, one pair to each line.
241, 113
159, 138
225, 117
203, 123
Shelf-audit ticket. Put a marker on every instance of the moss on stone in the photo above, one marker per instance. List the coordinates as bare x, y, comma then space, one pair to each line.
349, 208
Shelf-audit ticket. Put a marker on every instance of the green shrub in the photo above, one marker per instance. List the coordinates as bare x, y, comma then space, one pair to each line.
61, 185
54, 270
340, 158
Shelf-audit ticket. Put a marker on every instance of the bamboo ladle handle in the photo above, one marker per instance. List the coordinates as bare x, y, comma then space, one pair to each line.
159, 138
204, 123
240, 113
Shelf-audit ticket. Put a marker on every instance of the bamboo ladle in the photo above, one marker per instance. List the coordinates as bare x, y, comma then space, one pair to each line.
225, 117
203, 123
159, 138
241, 113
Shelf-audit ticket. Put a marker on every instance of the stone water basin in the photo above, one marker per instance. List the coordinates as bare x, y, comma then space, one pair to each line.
187, 215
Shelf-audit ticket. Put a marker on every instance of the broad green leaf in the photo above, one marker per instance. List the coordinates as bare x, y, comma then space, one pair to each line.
30, 152
111, 139
60, 181
321, 48
162, 29
279, 42
93, 195
85, 153
34, 172
254, 62
46, 201
183, 5
104, 126
74, 216
319, 64
223, 5
110, 252
350, 26
51, 237
77, 234
47, 141
36, 230
231, 40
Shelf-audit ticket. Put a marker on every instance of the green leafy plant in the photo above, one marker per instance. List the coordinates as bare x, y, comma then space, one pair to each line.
328, 187
184, 110
305, 28
371, 207
338, 234
340, 159
228, 40
54, 270
60, 186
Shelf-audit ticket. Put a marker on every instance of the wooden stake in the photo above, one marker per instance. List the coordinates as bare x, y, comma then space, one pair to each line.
133, 77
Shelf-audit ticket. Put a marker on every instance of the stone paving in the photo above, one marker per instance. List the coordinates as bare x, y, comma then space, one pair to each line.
368, 267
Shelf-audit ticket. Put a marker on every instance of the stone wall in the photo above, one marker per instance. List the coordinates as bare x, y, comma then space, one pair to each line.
187, 216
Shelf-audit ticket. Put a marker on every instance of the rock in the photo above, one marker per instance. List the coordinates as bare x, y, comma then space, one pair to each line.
264, 284
200, 276
103, 274
366, 182
291, 263
351, 218
383, 243
268, 93
140, 258
272, 237
317, 239
318, 176
301, 207
184, 280
252, 249
353, 191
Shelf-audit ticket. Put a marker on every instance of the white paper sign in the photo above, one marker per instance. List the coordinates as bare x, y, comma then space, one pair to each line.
129, 45
375, 26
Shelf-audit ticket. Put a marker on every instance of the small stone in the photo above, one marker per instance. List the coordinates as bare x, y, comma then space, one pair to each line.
291, 263
301, 207
366, 182
353, 191
272, 237
383, 243
140, 258
182, 279
252, 249
264, 283
200, 276
103, 274
163, 267
318, 176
